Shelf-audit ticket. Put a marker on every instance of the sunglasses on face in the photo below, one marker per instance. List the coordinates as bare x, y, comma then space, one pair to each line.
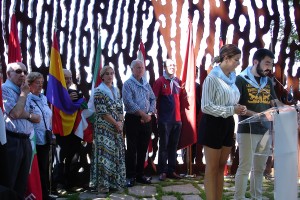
19, 71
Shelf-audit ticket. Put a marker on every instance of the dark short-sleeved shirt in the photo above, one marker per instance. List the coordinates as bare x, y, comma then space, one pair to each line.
255, 101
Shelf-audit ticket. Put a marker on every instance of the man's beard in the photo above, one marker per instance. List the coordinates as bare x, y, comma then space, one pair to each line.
261, 72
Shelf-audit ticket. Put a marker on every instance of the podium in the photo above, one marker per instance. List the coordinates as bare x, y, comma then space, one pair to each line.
285, 139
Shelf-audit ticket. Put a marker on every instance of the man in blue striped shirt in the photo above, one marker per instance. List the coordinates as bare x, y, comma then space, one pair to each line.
139, 102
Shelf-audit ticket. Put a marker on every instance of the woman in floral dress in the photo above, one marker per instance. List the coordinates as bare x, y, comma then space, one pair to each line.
108, 163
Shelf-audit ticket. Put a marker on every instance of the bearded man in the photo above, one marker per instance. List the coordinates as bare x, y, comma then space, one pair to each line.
257, 94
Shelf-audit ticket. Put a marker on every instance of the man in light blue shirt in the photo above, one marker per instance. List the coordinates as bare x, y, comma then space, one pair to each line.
18, 123
139, 102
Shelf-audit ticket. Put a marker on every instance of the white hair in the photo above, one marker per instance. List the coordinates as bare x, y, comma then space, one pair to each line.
136, 62
11, 66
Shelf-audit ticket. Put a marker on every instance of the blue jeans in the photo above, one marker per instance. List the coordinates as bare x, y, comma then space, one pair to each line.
169, 134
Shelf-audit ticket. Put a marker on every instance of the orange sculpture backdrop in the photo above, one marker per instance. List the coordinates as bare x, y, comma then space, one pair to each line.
160, 24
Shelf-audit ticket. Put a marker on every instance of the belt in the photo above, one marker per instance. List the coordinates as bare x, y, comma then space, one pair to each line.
17, 135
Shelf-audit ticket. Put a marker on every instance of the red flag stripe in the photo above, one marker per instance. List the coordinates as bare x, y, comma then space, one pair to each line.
14, 48
221, 43
34, 188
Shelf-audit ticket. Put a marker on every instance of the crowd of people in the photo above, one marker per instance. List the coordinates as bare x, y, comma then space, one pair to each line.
116, 164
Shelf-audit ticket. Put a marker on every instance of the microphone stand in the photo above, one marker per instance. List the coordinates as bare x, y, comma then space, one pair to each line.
275, 104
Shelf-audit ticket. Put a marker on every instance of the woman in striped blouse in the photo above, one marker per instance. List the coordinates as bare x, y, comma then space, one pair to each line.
218, 104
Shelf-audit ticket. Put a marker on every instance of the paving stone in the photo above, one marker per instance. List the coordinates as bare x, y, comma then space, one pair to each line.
191, 197
116, 196
183, 189
151, 198
89, 195
228, 184
230, 193
155, 180
201, 186
169, 197
231, 189
146, 191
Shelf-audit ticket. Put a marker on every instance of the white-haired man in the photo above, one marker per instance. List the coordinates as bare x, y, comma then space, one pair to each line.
139, 102
18, 125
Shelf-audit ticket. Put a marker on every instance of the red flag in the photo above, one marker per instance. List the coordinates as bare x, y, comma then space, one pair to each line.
221, 43
14, 48
188, 102
34, 189
141, 55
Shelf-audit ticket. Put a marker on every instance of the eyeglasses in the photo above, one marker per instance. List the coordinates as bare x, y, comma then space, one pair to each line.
68, 78
39, 82
171, 65
19, 71
111, 73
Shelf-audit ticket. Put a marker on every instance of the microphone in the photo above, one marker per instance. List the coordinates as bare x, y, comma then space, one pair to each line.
290, 95
275, 104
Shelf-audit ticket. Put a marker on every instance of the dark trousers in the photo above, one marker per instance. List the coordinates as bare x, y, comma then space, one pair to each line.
138, 136
43, 160
68, 147
3, 165
18, 152
169, 134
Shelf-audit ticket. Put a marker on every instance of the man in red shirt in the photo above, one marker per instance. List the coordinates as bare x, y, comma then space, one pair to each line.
167, 90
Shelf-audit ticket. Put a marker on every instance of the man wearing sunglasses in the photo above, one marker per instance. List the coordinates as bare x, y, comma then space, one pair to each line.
18, 123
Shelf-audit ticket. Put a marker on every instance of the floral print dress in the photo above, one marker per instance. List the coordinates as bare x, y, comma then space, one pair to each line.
108, 162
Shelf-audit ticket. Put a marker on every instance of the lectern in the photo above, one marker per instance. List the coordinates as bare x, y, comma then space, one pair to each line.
285, 140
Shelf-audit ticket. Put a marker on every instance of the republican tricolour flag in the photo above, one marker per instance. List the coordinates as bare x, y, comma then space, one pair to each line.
188, 103
64, 109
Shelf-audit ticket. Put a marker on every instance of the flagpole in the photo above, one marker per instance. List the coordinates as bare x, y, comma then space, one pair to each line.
189, 160
50, 164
